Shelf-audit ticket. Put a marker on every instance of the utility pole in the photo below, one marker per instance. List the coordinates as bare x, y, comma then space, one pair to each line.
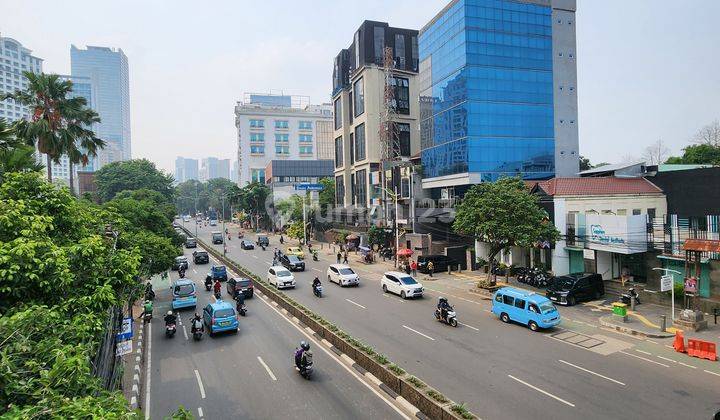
222, 203
304, 220
196, 211
397, 231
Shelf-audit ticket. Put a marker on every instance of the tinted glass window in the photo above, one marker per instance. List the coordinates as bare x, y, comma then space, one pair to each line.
408, 280
184, 290
583, 283
508, 300
519, 303
243, 283
224, 313
498, 298
346, 271
272, 271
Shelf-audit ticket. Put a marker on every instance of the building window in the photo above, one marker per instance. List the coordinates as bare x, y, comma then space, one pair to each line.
360, 142
305, 138
621, 212
339, 191
379, 43
359, 97
402, 95
282, 150
403, 133
415, 55
405, 187
257, 123
636, 212
257, 175
338, 113
306, 150
257, 137
651, 213
400, 51
257, 150
282, 138
360, 188
305, 125
282, 124
352, 148
339, 152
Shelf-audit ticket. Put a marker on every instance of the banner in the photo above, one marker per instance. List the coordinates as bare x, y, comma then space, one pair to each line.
619, 234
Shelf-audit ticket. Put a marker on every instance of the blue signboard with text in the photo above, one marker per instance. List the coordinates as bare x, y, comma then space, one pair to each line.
308, 187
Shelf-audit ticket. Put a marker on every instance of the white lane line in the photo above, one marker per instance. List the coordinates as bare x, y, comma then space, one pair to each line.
591, 372
643, 358
355, 303
315, 269
650, 341
147, 373
418, 332
542, 391
255, 256
194, 271
267, 368
469, 326
712, 373
267, 263
643, 352
686, 365
200, 412
200, 384
393, 298
487, 310
185, 333
666, 359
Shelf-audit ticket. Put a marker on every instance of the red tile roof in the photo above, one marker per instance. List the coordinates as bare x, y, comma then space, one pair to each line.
598, 186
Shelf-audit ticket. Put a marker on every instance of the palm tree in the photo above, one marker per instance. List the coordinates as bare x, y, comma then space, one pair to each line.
15, 156
78, 142
7, 136
55, 117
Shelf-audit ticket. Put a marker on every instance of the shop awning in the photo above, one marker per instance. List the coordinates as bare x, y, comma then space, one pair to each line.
702, 245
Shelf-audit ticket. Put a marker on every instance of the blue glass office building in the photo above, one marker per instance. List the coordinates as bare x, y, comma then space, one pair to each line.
487, 87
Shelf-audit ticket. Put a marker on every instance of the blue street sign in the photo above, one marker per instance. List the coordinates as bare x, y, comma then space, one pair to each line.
126, 331
309, 187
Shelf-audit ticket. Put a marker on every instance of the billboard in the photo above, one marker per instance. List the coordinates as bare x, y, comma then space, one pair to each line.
619, 234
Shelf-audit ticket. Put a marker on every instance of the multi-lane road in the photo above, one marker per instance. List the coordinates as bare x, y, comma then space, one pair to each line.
506, 371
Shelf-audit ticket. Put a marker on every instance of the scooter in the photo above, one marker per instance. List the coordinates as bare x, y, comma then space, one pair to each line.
208, 284
631, 294
147, 317
451, 316
196, 332
307, 370
242, 310
317, 291
315, 257
170, 330
218, 296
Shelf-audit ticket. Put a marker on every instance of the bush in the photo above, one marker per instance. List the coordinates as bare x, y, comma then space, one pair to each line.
437, 396
380, 358
462, 411
416, 382
396, 369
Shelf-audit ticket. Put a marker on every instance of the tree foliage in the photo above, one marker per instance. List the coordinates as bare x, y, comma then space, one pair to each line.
698, 154
290, 209
295, 230
503, 214
134, 174
327, 195
379, 236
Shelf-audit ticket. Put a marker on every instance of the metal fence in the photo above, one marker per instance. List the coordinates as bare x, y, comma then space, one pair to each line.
106, 365
667, 234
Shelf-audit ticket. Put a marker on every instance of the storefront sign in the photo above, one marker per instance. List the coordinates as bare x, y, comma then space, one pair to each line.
123, 347
690, 285
619, 234
666, 283
588, 254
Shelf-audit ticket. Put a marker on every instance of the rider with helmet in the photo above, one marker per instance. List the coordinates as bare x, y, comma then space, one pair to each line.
443, 306
299, 353
196, 323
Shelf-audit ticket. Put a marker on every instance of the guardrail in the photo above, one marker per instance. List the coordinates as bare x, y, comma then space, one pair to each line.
429, 401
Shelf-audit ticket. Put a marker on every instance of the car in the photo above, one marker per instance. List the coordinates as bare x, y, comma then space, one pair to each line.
217, 272
262, 240
184, 294
245, 244
296, 251
201, 257
292, 263
190, 243
401, 284
220, 316
343, 275
440, 263
573, 288
217, 237
213, 222
242, 285
526, 308
180, 262
186, 218
280, 277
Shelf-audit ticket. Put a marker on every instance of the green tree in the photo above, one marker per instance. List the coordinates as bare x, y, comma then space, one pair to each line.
291, 208
19, 159
585, 163
252, 199
698, 154
8, 140
133, 174
378, 236
191, 197
326, 197
295, 230
221, 191
503, 214
79, 143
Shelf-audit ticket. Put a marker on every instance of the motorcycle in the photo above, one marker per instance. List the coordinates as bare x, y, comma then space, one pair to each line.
451, 316
317, 291
307, 370
315, 256
631, 294
149, 294
181, 273
242, 310
218, 296
170, 330
196, 332
240, 235
147, 317
208, 285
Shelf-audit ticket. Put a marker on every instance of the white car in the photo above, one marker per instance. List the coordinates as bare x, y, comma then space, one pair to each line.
281, 277
342, 275
401, 284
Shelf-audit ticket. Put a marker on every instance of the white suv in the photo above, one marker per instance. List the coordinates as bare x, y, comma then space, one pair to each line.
401, 284
280, 277
342, 275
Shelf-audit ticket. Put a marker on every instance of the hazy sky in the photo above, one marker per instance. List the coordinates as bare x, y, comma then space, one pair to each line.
648, 69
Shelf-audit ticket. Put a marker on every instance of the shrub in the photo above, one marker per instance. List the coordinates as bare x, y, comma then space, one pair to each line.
416, 382
380, 358
437, 396
462, 411
396, 369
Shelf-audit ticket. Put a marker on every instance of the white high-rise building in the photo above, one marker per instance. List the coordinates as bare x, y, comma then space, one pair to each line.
212, 168
15, 59
272, 127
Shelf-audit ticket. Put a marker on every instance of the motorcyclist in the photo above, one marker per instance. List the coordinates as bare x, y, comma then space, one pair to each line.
443, 306
181, 272
299, 353
217, 286
196, 323
316, 282
149, 292
170, 318
282, 240
147, 308
208, 281
304, 356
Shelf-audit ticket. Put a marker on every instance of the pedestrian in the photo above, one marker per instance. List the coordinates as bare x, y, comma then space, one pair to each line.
339, 256
431, 268
345, 260
413, 267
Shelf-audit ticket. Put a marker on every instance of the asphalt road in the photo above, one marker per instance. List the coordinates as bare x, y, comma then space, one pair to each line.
251, 374
507, 371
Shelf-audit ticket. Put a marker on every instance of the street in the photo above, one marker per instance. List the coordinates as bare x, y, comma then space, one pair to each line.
250, 374
499, 370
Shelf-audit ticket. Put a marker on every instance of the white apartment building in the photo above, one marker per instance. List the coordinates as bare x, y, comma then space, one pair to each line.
15, 59
272, 127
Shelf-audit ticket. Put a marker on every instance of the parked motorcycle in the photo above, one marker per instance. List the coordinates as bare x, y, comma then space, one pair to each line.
317, 291
451, 316
631, 294
170, 330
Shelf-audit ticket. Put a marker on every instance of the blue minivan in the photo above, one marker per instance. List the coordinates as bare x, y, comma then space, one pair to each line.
527, 308
220, 316
183, 294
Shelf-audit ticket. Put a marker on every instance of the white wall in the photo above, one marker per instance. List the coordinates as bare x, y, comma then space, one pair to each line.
604, 264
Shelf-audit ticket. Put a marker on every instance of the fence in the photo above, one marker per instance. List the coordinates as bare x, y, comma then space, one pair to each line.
667, 234
106, 364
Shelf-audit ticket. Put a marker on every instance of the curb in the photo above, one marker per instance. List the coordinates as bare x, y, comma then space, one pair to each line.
139, 354
632, 331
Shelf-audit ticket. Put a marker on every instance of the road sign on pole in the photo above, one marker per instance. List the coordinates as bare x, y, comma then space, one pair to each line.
309, 187
666, 283
126, 331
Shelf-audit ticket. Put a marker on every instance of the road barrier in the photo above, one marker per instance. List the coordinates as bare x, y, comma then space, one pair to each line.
431, 403
702, 349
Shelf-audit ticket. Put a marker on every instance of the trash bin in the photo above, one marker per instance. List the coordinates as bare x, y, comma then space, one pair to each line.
619, 309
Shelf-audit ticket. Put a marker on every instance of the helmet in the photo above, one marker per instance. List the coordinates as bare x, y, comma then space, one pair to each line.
169, 312
305, 346
442, 299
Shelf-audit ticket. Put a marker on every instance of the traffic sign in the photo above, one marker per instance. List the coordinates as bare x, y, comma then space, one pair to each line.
309, 187
125, 330
123, 347
666, 283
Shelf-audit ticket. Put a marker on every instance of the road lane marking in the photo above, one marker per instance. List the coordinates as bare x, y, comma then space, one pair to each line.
147, 373
185, 332
267, 368
200, 412
194, 271
643, 352
393, 298
650, 341
590, 371
686, 365
255, 256
542, 391
469, 326
643, 358
712, 373
418, 332
319, 271
666, 359
355, 303
200, 384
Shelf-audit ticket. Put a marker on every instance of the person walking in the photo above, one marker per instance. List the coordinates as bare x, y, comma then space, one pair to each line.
339, 257
413, 267
431, 268
345, 260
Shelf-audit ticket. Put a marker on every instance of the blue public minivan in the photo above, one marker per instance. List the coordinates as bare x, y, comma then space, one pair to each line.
183, 294
527, 308
220, 316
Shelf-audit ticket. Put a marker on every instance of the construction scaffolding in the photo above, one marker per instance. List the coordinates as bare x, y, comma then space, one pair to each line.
389, 139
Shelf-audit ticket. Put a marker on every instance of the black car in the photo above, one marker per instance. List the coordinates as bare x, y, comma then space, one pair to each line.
180, 262
240, 285
201, 257
573, 288
246, 244
217, 237
190, 243
262, 240
440, 263
292, 263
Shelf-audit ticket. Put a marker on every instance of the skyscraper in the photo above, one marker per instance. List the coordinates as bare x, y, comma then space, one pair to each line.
108, 72
213, 167
186, 169
499, 92
15, 59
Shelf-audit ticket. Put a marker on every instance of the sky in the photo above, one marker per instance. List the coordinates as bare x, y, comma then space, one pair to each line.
647, 69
